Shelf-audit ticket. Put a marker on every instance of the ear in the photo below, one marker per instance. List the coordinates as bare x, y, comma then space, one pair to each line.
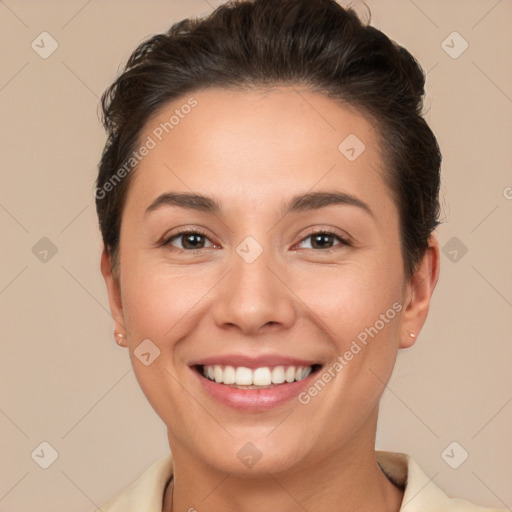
114, 292
418, 293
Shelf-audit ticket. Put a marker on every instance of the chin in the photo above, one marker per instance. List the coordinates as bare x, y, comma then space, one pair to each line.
255, 456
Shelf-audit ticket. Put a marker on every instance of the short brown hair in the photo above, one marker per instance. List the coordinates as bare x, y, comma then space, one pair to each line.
266, 43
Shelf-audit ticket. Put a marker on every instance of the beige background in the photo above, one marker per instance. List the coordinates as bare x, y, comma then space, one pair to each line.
64, 381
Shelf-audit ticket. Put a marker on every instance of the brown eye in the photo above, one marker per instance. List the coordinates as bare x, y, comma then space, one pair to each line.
190, 240
324, 240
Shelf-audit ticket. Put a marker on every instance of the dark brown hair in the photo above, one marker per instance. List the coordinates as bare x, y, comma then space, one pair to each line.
260, 44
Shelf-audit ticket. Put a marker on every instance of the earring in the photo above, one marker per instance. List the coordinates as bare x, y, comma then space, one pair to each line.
412, 335
119, 338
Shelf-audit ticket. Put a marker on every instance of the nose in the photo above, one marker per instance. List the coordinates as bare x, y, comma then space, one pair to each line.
253, 297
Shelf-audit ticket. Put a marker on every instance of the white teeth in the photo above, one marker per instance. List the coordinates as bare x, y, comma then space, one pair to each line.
217, 373
262, 377
228, 375
265, 376
289, 374
278, 375
243, 376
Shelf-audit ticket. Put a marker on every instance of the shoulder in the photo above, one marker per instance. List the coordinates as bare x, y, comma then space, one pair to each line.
421, 494
146, 493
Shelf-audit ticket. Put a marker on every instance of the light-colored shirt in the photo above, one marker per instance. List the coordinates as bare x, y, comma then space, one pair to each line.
146, 494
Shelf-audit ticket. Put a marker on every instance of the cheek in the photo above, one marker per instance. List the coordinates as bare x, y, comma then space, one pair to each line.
358, 306
160, 300
159, 304
352, 297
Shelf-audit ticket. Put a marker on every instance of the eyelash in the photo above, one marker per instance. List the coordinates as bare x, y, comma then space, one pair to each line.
344, 240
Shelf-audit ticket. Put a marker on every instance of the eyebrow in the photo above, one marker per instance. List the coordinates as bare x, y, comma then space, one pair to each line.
299, 203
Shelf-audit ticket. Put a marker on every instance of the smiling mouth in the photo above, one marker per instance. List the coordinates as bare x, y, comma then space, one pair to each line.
259, 378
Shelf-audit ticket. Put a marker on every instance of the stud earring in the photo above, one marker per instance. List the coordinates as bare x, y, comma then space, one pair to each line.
119, 338
412, 335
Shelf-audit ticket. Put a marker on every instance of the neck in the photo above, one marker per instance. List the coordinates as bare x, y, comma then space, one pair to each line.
348, 479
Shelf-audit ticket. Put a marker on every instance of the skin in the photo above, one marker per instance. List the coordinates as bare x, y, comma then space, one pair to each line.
252, 151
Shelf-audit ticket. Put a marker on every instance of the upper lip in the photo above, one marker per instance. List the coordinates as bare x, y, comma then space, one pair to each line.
238, 360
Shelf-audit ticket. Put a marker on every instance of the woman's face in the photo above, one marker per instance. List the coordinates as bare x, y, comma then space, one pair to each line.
300, 265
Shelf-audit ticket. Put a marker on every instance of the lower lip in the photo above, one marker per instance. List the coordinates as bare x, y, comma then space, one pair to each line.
254, 400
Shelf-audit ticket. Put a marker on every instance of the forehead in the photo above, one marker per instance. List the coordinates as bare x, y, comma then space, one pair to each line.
259, 145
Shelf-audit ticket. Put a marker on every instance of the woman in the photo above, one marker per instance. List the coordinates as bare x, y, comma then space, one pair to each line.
267, 199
